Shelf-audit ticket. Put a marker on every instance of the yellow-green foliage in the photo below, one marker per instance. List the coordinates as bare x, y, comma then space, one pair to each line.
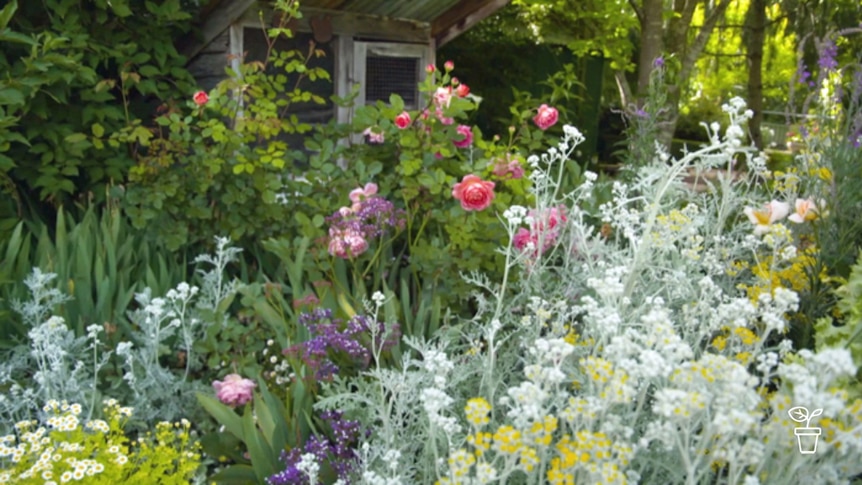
721, 71
63, 448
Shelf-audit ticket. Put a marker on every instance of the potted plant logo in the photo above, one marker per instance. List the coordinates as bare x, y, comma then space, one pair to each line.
807, 436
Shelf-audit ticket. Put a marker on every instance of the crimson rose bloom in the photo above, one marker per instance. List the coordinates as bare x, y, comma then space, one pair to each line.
403, 120
546, 117
200, 98
474, 193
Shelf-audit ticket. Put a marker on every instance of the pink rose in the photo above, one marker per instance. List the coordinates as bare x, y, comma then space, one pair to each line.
444, 119
509, 165
346, 244
442, 97
360, 193
474, 193
546, 117
234, 390
430, 68
374, 137
522, 238
516, 169
448, 65
403, 120
553, 217
467, 133
200, 98
462, 90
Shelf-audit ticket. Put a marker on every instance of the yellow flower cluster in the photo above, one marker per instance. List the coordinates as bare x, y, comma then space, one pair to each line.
592, 453
477, 411
793, 277
586, 457
737, 342
610, 383
62, 450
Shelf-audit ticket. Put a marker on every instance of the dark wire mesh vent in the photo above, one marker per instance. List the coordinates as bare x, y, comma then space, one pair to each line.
387, 75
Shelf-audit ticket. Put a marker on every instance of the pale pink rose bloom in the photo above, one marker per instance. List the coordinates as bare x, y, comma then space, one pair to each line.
467, 133
356, 242
442, 97
359, 193
762, 219
553, 217
443, 119
234, 390
346, 244
337, 247
373, 137
806, 210
403, 120
474, 193
516, 169
201, 98
546, 117
508, 166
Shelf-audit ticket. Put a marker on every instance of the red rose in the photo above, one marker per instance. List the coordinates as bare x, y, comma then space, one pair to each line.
403, 120
546, 117
200, 98
468, 136
462, 90
474, 193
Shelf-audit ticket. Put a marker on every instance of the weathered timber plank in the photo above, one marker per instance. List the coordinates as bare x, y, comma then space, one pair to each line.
356, 25
226, 13
461, 17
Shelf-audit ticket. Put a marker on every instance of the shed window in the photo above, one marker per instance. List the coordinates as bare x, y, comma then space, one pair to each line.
387, 75
386, 68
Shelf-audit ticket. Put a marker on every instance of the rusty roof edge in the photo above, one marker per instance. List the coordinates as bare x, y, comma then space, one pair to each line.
325, 11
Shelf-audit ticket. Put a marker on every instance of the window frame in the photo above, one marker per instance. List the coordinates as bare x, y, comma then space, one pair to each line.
361, 50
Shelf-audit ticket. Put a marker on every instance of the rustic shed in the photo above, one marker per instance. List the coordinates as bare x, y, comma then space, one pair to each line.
382, 45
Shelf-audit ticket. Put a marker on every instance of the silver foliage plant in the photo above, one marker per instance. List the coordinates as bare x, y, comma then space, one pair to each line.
599, 362
57, 365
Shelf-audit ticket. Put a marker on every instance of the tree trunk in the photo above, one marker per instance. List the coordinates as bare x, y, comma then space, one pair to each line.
756, 29
688, 53
651, 41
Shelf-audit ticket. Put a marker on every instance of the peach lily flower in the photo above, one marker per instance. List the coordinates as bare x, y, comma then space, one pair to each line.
806, 210
762, 219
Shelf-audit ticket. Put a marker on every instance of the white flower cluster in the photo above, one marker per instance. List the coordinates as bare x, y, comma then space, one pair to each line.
434, 399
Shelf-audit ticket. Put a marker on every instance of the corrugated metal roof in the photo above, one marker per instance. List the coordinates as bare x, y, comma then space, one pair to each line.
415, 10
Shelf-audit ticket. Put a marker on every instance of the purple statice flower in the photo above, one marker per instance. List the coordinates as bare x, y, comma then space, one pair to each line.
378, 215
828, 53
331, 338
336, 450
658, 62
368, 218
640, 113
